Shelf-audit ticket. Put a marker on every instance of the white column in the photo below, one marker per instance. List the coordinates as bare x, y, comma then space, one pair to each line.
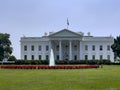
60, 50
70, 50
80, 51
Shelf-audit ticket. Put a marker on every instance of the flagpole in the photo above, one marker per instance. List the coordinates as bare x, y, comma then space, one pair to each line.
67, 23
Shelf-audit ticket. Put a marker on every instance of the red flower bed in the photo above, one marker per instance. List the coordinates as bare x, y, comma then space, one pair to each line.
48, 67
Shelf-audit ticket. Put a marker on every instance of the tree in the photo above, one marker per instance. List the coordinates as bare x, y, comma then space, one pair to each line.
116, 47
5, 46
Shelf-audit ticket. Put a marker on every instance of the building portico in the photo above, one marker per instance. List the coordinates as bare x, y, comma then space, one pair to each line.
66, 45
66, 49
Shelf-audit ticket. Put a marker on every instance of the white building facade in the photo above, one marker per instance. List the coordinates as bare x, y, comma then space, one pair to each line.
67, 45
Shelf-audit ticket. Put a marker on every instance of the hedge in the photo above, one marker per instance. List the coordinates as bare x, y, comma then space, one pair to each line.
62, 62
107, 62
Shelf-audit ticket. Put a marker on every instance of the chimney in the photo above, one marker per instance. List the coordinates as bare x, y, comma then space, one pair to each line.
88, 34
45, 34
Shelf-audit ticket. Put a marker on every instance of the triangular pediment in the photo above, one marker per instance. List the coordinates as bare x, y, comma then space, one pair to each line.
65, 33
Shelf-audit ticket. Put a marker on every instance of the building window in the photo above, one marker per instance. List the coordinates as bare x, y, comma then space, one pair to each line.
75, 57
25, 48
101, 47
66, 46
32, 57
39, 48
47, 47
32, 47
93, 47
93, 57
108, 47
25, 57
57, 47
39, 57
86, 57
101, 57
108, 57
86, 47
75, 47
57, 57
47, 57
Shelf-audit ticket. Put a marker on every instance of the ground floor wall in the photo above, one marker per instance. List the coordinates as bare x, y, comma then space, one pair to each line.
67, 50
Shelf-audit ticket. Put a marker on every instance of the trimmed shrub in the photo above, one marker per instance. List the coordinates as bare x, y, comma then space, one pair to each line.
12, 58
45, 62
27, 62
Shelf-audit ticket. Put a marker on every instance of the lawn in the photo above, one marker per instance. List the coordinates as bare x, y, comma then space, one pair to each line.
106, 78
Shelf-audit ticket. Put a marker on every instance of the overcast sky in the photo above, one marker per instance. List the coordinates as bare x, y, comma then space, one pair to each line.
35, 17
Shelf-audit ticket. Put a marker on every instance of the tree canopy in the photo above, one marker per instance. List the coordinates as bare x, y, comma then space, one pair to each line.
5, 46
116, 47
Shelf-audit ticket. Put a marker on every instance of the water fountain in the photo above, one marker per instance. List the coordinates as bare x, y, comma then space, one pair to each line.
52, 60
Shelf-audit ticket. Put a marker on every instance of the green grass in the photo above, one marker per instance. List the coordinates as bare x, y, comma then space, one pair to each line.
106, 78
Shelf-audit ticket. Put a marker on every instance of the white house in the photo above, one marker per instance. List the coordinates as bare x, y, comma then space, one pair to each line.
67, 45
